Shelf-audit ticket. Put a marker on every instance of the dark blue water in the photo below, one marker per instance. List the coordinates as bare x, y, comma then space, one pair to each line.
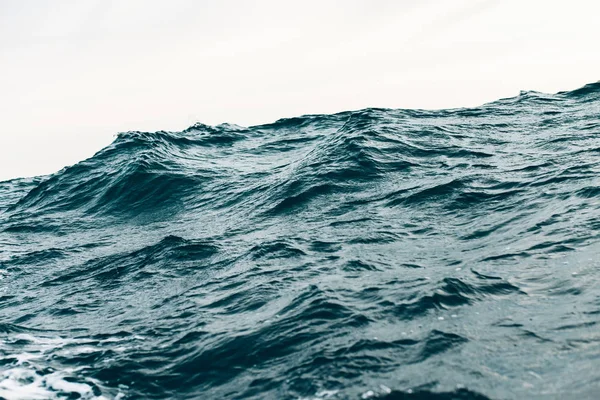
396, 254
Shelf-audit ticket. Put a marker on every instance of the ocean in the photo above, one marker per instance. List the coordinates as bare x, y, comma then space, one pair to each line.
372, 254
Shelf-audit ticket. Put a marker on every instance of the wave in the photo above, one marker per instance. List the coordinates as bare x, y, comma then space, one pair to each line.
378, 253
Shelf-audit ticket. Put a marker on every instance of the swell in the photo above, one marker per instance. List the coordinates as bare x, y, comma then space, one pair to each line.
139, 173
368, 254
145, 172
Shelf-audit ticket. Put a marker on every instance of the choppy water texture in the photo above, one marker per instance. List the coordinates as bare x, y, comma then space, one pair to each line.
396, 254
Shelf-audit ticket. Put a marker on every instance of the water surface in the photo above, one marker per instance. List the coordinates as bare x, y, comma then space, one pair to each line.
379, 253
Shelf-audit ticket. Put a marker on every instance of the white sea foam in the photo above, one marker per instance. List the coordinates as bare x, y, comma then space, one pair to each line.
31, 374
27, 383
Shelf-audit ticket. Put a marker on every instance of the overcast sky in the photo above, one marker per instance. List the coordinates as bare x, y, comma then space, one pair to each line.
73, 73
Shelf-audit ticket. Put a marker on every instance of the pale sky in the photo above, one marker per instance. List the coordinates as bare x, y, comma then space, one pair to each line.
73, 73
